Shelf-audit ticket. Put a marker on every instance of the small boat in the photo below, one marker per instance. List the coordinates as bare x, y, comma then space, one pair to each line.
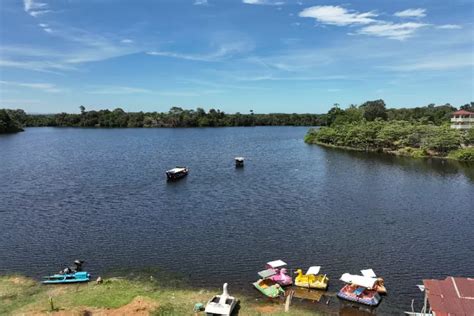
76, 277
359, 294
362, 289
280, 276
177, 173
221, 304
269, 288
239, 162
368, 277
312, 279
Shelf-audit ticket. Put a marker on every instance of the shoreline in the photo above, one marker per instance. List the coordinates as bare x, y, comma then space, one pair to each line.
21, 295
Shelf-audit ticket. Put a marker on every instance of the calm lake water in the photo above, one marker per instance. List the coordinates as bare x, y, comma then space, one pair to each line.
101, 195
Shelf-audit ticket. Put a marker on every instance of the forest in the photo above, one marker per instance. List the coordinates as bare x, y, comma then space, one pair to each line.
416, 132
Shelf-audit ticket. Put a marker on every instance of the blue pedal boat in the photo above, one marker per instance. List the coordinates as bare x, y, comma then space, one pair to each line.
76, 277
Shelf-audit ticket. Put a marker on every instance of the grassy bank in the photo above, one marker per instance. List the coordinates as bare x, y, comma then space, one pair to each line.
398, 138
117, 296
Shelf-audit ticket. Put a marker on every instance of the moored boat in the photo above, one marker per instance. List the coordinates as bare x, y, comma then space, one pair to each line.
312, 279
280, 272
269, 288
177, 173
222, 304
359, 294
76, 277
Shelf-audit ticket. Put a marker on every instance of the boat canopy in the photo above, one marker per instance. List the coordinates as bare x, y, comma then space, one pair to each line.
360, 280
276, 264
368, 273
239, 158
176, 170
267, 273
313, 270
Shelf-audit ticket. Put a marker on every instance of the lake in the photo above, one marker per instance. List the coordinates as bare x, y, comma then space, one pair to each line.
102, 195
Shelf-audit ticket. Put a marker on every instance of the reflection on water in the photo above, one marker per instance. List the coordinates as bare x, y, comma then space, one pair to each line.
102, 195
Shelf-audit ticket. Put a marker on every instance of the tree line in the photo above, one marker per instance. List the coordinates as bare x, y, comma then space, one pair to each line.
175, 117
417, 132
9, 123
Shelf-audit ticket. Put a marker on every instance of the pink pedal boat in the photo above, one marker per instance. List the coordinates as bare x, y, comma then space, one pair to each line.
277, 272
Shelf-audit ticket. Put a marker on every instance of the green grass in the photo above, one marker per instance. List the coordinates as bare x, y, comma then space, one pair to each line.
20, 295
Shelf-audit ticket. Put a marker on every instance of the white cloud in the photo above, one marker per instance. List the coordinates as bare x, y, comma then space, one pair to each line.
263, 2
223, 51
200, 2
411, 13
398, 31
337, 15
126, 41
35, 8
45, 87
449, 27
437, 62
118, 90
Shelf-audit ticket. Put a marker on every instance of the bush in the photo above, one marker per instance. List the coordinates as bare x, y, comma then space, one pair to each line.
464, 154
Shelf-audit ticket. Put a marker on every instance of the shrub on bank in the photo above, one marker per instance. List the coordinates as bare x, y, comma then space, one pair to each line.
401, 137
464, 154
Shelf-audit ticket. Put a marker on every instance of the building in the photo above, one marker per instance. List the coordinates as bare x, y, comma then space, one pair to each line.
462, 119
452, 296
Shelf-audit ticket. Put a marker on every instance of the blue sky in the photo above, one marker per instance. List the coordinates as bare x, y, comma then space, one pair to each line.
235, 55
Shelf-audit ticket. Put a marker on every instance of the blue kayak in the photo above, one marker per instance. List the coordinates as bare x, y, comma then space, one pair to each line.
67, 278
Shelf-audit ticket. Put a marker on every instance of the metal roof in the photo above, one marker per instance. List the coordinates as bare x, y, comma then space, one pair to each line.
463, 112
451, 296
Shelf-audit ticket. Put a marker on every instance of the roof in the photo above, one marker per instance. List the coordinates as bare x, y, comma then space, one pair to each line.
266, 273
314, 270
463, 112
368, 273
451, 296
177, 169
358, 280
276, 264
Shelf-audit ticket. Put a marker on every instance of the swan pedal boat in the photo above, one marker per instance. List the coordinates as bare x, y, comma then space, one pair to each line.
76, 277
280, 274
222, 304
312, 279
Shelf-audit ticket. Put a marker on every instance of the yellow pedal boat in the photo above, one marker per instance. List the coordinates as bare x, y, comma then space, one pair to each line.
311, 279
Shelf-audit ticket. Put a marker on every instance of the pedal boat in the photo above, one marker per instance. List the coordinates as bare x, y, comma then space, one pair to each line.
177, 173
76, 277
280, 272
312, 279
359, 294
221, 304
368, 276
269, 288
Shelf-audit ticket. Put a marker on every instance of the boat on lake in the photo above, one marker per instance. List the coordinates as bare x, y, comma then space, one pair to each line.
269, 288
368, 274
362, 289
177, 173
359, 294
76, 277
279, 275
239, 162
222, 304
312, 279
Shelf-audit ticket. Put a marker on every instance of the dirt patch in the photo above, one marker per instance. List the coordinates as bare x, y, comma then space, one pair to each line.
267, 309
20, 280
140, 306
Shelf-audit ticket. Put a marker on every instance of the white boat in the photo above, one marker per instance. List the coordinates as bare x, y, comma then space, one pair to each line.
221, 304
177, 173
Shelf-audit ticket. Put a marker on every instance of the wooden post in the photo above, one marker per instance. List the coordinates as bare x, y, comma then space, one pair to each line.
288, 300
51, 303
